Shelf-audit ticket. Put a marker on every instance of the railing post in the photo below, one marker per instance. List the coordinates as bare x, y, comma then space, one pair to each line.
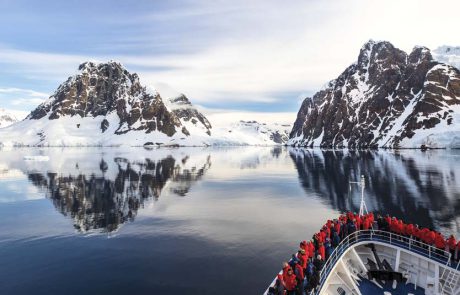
429, 251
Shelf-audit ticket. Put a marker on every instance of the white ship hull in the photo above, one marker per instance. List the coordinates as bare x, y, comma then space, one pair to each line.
361, 261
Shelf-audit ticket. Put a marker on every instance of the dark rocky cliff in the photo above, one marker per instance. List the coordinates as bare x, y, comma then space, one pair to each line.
383, 100
108, 90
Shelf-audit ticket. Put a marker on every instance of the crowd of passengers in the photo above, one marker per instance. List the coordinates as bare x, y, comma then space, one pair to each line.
301, 274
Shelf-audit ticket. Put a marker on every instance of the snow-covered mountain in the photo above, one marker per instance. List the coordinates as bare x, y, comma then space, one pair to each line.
252, 132
386, 99
105, 105
7, 118
448, 54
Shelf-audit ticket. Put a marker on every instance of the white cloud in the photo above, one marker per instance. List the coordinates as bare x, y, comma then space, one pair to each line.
28, 92
18, 97
27, 101
251, 51
40, 65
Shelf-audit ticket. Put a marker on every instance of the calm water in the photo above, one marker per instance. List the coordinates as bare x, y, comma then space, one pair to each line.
194, 220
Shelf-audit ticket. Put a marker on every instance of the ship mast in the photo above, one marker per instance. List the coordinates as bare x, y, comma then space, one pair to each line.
362, 206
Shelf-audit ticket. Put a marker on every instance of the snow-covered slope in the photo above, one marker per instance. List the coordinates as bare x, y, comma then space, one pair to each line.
7, 118
105, 105
179, 105
250, 128
386, 99
252, 133
448, 55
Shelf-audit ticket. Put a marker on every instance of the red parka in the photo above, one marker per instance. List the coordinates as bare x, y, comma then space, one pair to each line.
371, 218
366, 223
322, 252
290, 282
410, 229
303, 259
451, 242
299, 272
311, 249
303, 245
440, 242
337, 227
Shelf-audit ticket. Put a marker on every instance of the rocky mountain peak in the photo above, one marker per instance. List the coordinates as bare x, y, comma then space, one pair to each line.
181, 100
374, 52
384, 99
105, 98
420, 54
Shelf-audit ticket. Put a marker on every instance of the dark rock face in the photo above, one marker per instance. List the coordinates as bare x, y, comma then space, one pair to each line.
108, 89
380, 101
184, 110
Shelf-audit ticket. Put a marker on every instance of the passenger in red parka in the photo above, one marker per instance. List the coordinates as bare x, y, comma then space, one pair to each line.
327, 232
366, 223
371, 219
303, 257
423, 234
350, 215
290, 282
429, 236
451, 243
299, 273
388, 220
394, 225
410, 230
358, 222
322, 251
400, 227
286, 267
439, 241
303, 245
337, 226
417, 232
322, 235
311, 249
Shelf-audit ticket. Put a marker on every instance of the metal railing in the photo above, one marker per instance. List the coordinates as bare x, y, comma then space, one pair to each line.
386, 237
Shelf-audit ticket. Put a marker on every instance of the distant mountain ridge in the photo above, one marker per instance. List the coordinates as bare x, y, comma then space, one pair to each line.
252, 132
448, 54
386, 99
6, 118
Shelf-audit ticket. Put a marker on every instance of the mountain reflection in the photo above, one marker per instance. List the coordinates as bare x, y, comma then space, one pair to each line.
105, 200
422, 188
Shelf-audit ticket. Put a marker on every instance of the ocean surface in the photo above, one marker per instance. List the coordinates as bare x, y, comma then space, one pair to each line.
195, 220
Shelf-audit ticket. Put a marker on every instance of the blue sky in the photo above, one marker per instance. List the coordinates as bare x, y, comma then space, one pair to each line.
236, 55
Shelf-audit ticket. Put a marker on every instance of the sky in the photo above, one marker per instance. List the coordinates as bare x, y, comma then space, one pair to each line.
238, 55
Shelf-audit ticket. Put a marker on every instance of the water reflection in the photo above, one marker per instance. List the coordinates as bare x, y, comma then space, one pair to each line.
102, 189
420, 187
103, 201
